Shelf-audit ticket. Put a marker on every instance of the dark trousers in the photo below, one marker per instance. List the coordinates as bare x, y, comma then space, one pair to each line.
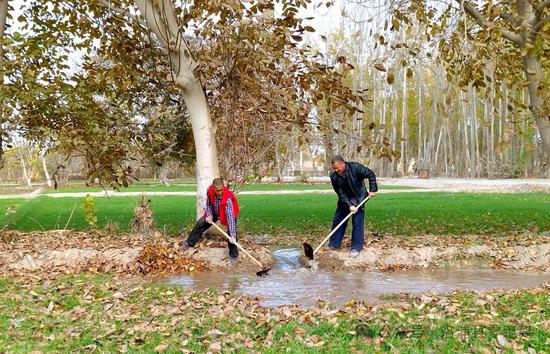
200, 227
357, 234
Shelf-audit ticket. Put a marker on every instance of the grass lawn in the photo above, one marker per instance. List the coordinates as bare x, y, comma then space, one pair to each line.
176, 188
89, 313
306, 215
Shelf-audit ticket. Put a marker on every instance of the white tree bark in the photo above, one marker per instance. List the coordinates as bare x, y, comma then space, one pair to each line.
3, 17
45, 169
466, 151
393, 138
25, 172
420, 115
475, 133
404, 129
491, 143
161, 20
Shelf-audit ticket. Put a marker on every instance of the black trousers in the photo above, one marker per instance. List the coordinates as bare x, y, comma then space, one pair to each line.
200, 227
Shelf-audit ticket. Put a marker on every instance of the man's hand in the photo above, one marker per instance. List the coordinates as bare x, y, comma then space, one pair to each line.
208, 219
353, 209
371, 195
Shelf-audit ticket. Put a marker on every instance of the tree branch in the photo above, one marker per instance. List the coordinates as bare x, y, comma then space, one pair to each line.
478, 17
541, 23
541, 7
122, 12
513, 20
150, 14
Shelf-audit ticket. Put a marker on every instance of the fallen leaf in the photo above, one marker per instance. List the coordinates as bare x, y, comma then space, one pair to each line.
501, 340
215, 347
215, 333
161, 347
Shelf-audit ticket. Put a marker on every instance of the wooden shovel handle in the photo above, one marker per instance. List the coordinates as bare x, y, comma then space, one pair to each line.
338, 226
239, 246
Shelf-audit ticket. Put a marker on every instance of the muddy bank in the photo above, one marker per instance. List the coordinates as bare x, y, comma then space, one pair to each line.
70, 252
535, 257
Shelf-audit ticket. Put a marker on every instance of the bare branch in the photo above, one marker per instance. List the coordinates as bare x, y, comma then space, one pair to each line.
478, 17
122, 12
541, 23
148, 11
513, 20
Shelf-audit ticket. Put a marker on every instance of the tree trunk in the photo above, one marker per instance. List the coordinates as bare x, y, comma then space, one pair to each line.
468, 165
537, 106
25, 172
45, 168
3, 17
538, 91
404, 130
163, 175
420, 114
205, 141
393, 139
475, 134
161, 19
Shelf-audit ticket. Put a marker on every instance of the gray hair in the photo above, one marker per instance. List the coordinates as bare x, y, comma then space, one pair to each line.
337, 158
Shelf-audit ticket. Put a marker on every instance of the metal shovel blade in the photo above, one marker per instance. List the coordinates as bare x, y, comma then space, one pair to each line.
263, 272
308, 250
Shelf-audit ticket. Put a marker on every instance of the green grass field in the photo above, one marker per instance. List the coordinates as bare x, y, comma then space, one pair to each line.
304, 215
89, 313
176, 188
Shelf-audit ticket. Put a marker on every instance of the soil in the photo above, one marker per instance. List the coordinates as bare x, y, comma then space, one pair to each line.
71, 252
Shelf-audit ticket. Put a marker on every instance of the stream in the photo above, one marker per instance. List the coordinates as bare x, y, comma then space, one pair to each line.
289, 283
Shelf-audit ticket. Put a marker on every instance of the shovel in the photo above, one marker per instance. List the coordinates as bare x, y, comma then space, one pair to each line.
258, 273
308, 250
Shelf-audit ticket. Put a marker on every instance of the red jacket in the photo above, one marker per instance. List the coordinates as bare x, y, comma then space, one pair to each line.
226, 194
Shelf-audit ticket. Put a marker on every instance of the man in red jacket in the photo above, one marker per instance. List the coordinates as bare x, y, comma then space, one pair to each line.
221, 204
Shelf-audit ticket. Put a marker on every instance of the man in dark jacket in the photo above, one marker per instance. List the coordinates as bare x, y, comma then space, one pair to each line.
221, 204
348, 183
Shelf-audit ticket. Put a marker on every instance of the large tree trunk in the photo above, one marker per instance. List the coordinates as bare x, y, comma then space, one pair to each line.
205, 141
538, 107
161, 19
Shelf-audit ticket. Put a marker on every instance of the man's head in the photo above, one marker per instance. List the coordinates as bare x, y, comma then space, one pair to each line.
338, 165
218, 185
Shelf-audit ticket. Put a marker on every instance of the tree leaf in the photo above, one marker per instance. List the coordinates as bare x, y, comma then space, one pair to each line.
380, 67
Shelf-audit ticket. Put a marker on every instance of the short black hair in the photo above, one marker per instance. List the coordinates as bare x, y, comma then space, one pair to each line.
337, 158
217, 182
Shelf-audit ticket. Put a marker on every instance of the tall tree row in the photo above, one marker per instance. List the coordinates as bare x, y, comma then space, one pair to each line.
436, 116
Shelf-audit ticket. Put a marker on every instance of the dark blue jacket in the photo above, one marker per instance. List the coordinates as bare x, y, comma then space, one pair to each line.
353, 182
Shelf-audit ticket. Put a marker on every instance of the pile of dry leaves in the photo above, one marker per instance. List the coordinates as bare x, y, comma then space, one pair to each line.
160, 259
73, 252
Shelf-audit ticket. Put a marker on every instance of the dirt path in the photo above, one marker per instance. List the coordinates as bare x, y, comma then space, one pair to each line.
422, 185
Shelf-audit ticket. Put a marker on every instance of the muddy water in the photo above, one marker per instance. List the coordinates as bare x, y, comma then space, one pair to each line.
289, 283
